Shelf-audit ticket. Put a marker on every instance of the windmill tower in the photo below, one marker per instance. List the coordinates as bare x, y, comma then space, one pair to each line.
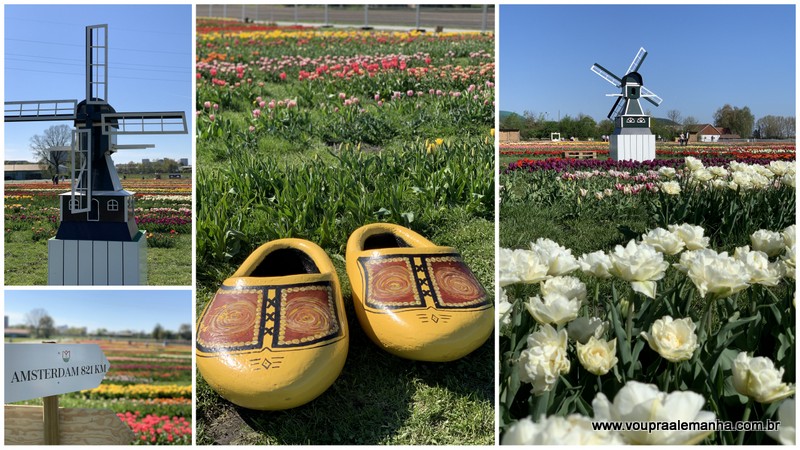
632, 139
97, 241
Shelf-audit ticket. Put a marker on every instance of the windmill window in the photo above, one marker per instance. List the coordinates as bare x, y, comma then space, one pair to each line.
112, 205
74, 204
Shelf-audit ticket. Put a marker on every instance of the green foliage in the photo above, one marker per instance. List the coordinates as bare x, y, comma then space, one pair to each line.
739, 120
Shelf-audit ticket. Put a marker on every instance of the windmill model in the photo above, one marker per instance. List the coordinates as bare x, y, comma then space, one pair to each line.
632, 139
97, 241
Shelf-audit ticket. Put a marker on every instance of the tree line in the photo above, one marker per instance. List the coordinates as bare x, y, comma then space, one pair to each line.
739, 121
42, 326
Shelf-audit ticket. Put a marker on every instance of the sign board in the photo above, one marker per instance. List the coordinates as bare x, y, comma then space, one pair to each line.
23, 426
41, 370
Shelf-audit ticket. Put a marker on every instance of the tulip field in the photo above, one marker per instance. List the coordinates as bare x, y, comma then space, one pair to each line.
163, 208
312, 133
149, 386
655, 292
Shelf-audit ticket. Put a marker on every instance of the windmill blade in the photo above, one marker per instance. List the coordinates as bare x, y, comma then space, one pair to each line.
637, 61
97, 64
650, 96
166, 122
36, 110
607, 75
615, 109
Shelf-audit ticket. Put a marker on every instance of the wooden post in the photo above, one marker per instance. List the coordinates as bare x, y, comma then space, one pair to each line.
50, 420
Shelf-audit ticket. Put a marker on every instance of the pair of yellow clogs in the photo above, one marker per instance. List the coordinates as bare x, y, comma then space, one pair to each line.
275, 335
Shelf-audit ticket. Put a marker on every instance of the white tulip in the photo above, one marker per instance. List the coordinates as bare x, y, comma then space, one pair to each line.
640, 264
521, 266
558, 259
598, 356
788, 258
664, 241
521, 432
639, 402
596, 264
769, 242
758, 266
691, 235
667, 172
504, 308
701, 175
714, 273
670, 187
693, 163
569, 287
785, 434
789, 235
780, 168
554, 309
757, 378
574, 429
582, 328
674, 340
544, 360
718, 172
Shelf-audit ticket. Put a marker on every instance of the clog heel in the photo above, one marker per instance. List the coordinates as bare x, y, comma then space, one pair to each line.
275, 334
413, 298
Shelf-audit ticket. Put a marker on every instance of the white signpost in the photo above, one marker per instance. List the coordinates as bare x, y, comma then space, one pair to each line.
42, 370
48, 370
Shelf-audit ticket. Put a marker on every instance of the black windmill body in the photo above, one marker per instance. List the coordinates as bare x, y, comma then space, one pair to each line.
627, 113
97, 207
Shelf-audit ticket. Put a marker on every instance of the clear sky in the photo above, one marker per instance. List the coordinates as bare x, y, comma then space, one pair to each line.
150, 67
114, 310
699, 57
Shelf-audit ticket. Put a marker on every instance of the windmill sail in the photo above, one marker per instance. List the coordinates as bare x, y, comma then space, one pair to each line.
607, 75
36, 110
637, 61
97, 64
650, 96
81, 160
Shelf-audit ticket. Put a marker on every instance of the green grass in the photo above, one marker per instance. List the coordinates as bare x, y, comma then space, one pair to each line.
165, 266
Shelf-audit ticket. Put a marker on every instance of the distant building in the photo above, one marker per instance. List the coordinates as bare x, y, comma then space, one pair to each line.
508, 135
145, 161
17, 333
703, 133
24, 170
184, 161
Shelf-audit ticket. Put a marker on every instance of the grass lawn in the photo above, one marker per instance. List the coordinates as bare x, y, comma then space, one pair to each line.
165, 266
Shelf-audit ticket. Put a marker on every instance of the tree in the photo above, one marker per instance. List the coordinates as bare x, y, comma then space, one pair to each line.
674, 115
739, 120
46, 327
775, 127
689, 121
55, 136
185, 331
158, 332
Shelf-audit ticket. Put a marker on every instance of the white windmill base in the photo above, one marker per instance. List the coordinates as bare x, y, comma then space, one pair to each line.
633, 147
97, 263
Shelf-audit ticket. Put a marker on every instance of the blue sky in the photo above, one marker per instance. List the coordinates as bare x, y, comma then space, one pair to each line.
150, 67
114, 310
699, 57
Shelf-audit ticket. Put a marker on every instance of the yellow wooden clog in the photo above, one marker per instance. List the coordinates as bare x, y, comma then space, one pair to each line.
275, 334
415, 299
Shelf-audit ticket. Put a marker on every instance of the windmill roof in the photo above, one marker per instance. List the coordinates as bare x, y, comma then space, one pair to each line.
703, 127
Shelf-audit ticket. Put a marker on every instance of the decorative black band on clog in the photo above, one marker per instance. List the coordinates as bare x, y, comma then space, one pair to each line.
240, 317
416, 281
